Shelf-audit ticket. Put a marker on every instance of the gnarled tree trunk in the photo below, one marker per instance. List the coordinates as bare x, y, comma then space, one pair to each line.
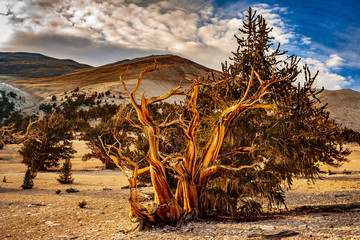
193, 170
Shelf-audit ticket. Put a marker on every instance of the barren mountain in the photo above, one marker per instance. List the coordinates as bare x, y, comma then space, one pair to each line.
173, 70
343, 106
35, 65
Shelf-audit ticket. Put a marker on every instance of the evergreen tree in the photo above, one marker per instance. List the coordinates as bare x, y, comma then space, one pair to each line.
48, 143
29, 179
109, 131
268, 130
289, 140
65, 176
6, 105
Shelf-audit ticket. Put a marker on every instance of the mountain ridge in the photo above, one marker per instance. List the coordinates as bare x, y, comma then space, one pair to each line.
172, 69
36, 65
342, 104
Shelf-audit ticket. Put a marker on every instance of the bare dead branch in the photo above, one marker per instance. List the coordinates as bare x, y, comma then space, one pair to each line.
216, 168
240, 150
7, 134
173, 92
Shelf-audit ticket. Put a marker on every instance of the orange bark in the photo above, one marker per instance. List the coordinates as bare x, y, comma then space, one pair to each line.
193, 171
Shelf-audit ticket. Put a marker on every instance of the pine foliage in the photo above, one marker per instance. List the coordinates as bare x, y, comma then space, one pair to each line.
29, 179
290, 140
65, 176
234, 142
48, 144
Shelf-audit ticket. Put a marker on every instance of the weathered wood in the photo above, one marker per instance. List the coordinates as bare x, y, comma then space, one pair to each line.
193, 171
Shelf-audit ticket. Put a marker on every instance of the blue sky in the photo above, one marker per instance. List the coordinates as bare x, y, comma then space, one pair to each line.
325, 34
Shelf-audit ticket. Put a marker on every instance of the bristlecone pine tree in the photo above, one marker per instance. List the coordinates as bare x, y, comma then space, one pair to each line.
254, 108
48, 144
108, 131
289, 140
65, 176
91, 136
29, 179
9, 134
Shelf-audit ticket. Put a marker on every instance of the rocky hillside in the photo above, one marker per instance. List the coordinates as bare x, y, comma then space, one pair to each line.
344, 107
342, 104
173, 69
33, 65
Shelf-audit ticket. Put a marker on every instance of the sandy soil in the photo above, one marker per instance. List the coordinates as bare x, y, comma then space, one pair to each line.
40, 213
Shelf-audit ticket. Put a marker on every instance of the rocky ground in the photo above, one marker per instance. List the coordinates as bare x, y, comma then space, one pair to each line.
41, 213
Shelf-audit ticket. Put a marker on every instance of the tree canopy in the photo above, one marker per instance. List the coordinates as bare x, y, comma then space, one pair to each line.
48, 143
261, 116
290, 140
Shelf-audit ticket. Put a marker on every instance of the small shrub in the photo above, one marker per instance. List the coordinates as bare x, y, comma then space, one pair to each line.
12, 95
82, 204
29, 179
65, 176
46, 108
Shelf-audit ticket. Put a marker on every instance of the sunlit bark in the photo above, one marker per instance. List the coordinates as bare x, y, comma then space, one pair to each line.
193, 170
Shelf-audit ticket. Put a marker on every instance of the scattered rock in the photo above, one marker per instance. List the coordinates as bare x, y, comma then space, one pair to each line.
52, 224
341, 195
139, 186
36, 205
72, 190
58, 192
279, 235
107, 189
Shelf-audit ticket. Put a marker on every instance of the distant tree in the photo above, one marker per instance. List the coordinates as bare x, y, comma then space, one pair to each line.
29, 179
49, 144
12, 94
19, 121
91, 136
9, 134
46, 108
109, 131
350, 135
65, 176
6, 105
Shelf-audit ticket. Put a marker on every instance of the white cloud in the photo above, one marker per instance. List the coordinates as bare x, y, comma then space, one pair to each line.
326, 78
195, 30
306, 40
281, 32
190, 28
335, 61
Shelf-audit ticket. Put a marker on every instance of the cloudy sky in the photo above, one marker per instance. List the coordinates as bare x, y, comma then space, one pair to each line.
324, 33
